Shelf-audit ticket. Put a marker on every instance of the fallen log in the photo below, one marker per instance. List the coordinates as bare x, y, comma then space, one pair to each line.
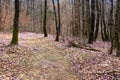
78, 45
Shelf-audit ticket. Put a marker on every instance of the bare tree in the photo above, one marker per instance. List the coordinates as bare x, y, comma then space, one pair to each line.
16, 24
45, 19
59, 22
55, 14
111, 25
97, 20
117, 27
91, 33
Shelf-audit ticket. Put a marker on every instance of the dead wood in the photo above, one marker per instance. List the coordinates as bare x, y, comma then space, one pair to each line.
73, 43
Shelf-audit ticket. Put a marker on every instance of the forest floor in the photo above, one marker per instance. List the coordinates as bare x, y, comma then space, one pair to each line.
39, 58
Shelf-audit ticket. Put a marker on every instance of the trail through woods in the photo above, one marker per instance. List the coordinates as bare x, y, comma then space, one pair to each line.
39, 58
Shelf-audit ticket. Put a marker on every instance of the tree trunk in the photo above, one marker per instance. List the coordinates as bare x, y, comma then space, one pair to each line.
111, 26
59, 23
88, 20
91, 34
0, 16
83, 17
55, 14
97, 21
16, 24
45, 19
77, 18
103, 27
111, 21
117, 28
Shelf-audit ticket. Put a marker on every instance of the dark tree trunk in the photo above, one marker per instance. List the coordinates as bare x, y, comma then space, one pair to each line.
117, 28
16, 24
0, 15
59, 23
111, 21
45, 19
83, 18
102, 34
91, 34
116, 33
104, 27
88, 20
111, 26
55, 13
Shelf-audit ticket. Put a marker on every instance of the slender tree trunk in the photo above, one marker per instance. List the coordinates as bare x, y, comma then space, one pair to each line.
55, 14
111, 21
45, 19
88, 20
16, 24
83, 18
111, 26
73, 19
0, 16
59, 22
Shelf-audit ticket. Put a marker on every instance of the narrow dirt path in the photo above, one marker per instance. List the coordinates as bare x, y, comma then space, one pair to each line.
49, 62
38, 59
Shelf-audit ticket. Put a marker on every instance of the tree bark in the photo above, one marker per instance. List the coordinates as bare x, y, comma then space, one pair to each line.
91, 34
97, 20
59, 23
103, 24
83, 17
111, 26
16, 24
88, 20
117, 28
77, 18
45, 19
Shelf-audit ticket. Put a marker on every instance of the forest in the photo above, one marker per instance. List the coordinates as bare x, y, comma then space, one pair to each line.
59, 39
